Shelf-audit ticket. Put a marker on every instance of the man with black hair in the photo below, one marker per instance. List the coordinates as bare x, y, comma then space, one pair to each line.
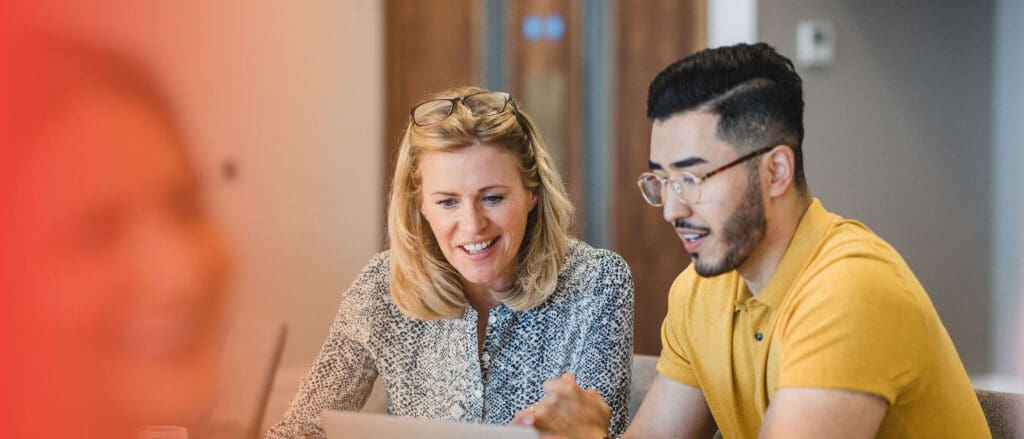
791, 321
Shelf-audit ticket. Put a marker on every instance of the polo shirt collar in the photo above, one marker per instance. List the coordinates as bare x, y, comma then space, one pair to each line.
813, 225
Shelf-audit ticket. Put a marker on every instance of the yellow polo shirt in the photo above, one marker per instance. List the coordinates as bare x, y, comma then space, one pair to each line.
841, 311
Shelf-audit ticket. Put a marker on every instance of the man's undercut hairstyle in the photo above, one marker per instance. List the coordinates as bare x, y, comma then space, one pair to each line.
756, 93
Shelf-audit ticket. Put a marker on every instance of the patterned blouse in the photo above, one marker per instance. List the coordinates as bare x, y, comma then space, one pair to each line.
431, 369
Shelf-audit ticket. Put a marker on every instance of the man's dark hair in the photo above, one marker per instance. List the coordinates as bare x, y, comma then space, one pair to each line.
754, 90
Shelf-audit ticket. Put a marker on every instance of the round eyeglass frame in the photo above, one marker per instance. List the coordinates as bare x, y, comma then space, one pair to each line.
690, 180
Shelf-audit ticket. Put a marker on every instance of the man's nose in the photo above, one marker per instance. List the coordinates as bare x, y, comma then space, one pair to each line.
675, 209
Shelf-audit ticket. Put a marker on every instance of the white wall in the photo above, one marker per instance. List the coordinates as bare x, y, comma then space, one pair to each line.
898, 135
293, 93
1008, 198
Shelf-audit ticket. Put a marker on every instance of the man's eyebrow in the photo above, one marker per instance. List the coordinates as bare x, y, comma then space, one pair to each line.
688, 162
679, 164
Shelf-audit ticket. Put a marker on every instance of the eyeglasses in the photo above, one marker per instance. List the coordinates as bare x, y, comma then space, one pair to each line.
687, 185
486, 103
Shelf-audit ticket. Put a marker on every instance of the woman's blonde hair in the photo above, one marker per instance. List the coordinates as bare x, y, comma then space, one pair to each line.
424, 284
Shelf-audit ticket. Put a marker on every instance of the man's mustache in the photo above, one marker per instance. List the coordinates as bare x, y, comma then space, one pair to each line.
683, 224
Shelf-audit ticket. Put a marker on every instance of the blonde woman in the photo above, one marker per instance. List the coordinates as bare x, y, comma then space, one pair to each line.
482, 296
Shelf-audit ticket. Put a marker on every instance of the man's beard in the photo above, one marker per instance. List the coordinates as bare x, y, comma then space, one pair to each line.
744, 229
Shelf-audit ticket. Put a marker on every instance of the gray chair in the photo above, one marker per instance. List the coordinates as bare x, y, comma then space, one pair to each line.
644, 371
643, 374
1004, 413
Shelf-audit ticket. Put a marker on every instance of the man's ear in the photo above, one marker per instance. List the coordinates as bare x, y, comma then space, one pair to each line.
781, 170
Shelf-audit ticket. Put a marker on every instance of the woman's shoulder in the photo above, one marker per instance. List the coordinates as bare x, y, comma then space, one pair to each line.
367, 301
590, 272
372, 284
582, 260
380, 263
378, 270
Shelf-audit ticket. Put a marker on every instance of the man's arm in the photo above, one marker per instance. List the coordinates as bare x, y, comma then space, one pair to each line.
798, 412
672, 410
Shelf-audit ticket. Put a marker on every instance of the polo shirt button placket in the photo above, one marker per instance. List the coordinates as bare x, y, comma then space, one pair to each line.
758, 336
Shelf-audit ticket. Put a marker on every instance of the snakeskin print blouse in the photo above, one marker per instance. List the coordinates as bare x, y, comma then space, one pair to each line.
431, 369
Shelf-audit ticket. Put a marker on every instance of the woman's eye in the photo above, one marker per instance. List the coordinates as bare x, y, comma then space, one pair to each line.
446, 203
493, 199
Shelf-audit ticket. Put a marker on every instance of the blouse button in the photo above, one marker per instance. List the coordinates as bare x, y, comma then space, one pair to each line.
491, 319
758, 336
485, 357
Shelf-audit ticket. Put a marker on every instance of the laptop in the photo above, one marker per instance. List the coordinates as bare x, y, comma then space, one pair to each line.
346, 425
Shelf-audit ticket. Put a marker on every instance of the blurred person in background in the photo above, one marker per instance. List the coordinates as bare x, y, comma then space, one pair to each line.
114, 274
483, 295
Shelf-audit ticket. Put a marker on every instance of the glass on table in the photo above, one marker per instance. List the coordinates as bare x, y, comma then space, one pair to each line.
163, 432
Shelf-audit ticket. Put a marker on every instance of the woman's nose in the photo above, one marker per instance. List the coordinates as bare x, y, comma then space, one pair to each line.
473, 219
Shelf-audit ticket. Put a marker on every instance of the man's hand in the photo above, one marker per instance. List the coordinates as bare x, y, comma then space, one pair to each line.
567, 411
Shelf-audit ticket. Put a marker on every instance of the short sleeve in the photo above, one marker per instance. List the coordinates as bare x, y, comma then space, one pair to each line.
674, 361
855, 326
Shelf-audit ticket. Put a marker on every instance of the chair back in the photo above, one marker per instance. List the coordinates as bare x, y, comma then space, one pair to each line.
1004, 412
644, 372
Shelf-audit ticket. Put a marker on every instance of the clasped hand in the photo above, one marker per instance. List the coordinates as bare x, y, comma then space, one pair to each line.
567, 411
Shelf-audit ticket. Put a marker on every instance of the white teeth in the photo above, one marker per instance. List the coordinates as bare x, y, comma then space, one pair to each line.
691, 237
477, 248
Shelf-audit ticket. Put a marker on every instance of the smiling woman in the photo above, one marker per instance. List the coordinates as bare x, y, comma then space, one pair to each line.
518, 160
478, 219
482, 296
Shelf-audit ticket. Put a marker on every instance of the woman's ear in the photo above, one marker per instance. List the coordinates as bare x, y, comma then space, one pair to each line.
533, 199
781, 170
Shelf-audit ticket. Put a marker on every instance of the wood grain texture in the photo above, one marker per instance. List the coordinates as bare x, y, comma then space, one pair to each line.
541, 63
650, 34
430, 46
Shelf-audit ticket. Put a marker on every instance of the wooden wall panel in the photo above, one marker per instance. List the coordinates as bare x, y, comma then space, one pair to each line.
545, 76
430, 46
650, 34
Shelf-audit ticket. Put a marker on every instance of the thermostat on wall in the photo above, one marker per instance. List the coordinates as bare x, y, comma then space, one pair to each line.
815, 43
